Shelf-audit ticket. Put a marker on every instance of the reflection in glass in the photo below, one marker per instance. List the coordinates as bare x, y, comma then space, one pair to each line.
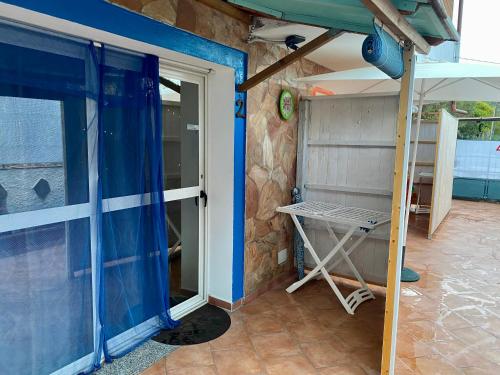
43, 160
46, 297
180, 113
183, 248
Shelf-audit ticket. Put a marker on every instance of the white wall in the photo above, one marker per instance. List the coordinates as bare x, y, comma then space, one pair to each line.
220, 182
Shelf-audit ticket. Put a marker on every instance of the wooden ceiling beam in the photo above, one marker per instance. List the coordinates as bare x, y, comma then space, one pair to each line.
388, 14
290, 59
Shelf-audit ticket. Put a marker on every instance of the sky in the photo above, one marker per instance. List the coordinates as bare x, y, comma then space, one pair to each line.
480, 28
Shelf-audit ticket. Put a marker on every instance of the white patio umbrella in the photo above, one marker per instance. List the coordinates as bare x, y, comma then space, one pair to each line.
443, 82
434, 82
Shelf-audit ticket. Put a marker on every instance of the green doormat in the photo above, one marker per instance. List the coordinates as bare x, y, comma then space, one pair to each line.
409, 276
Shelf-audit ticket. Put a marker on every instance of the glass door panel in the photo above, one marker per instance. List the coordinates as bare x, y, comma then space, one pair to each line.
183, 163
183, 248
181, 135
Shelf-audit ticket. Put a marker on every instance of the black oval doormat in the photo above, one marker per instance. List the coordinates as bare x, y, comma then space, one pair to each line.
205, 324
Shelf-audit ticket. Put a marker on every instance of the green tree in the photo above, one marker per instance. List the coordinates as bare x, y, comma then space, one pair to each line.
475, 129
467, 129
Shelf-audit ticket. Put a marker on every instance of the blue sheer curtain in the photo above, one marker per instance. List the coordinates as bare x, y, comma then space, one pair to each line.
133, 240
85, 271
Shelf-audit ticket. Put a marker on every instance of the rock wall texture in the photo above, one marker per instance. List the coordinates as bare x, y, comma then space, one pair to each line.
271, 142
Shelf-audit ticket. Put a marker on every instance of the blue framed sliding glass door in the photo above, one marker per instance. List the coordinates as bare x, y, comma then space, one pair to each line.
46, 273
83, 244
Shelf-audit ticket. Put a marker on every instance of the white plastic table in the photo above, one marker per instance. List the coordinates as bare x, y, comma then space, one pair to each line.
330, 214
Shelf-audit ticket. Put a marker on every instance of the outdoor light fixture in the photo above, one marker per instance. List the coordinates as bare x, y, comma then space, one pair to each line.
291, 41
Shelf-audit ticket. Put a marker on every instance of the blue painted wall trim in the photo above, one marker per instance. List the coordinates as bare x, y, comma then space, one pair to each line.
104, 16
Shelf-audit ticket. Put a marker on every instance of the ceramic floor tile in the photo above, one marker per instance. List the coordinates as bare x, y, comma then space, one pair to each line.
309, 331
199, 370
293, 365
275, 345
278, 298
448, 320
342, 370
477, 337
157, 369
325, 354
188, 356
241, 362
262, 324
257, 307
235, 337
409, 347
432, 365
293, 313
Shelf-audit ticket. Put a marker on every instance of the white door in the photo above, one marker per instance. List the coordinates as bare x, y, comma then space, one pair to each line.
183, 115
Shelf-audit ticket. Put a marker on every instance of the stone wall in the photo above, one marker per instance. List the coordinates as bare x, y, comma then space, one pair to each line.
271, 142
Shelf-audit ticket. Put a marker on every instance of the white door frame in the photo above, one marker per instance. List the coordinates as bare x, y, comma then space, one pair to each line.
199, 78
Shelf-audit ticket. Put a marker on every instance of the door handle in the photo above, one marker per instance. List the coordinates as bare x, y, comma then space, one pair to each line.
204, 196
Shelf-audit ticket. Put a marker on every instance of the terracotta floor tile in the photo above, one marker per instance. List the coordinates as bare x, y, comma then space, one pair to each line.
482, 368
432, 365
454, 308
309, 331
293, 313
325, 354
256, 307
275, 345
241, 362
421, 330
492, 355
368, 359
189, 356
342, 370
262, 324
466, 358
279, 297
157, 369
325, 300
235, 337
402, 369
451, 320
359, 336
200, 370
408, 347
332, 318
293, 365
477, 337
492, 326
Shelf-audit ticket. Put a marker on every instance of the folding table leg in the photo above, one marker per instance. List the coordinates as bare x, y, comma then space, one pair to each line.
359, 295
320, 267
349, 251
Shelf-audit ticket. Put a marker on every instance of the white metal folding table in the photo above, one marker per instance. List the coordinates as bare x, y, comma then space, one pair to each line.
330, 214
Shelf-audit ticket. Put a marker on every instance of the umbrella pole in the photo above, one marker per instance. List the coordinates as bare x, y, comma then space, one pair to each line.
406, 273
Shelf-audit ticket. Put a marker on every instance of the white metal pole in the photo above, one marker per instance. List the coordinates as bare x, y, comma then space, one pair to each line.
414, 158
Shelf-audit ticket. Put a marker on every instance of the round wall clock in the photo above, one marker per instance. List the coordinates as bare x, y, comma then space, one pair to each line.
286, 104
